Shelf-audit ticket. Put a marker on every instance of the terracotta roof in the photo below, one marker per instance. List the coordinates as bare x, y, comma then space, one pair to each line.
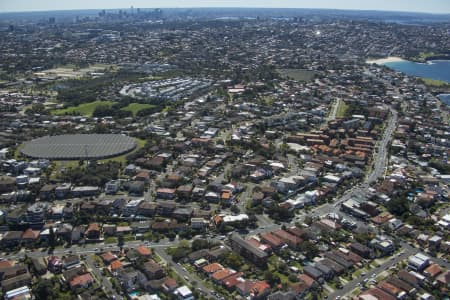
222, 274
245, 286
170, 283
389, 288
233, 280
444, 278
81, 280
117, 264
144, 251
6, 263
306, 279
433, 270
93, 227
379, 294
30, 234
108, 257
272, 239
212, 268
287, 237
259, 287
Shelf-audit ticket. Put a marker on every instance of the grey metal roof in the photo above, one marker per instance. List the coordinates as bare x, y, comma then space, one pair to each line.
79, 146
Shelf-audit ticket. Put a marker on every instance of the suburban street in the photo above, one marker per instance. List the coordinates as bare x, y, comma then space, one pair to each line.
189, 277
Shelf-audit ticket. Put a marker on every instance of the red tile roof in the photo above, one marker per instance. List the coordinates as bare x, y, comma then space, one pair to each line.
144, 251
81, 280
212, 268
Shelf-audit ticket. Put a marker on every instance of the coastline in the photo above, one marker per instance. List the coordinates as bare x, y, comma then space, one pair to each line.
386, 60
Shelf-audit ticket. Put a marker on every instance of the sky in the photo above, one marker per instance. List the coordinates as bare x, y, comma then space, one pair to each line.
430, 6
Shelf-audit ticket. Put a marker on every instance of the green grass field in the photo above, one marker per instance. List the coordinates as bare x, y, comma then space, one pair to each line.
342, 109
297, 74
136, 107
85, 109
434, 82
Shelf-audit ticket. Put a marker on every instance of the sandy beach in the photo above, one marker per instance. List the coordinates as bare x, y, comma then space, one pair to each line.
385, 60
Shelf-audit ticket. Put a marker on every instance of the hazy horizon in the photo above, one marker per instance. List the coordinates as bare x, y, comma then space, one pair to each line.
431, 6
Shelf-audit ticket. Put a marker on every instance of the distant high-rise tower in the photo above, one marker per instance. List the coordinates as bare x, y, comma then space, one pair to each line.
132, 9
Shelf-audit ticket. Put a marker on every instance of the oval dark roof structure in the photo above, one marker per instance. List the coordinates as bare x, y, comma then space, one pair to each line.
79, 146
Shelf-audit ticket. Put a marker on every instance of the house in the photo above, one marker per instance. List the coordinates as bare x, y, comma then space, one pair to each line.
47, 192
147, 209
259, 290
16, 282
39, 265
432, 271
136, 188
392, 290
93, 232
254, 289
279, 295
71, 261
108, 257
144, 251
11, 239
130, 278
166, 193
182, 213
313, 272
361, 250
112, 187
54, 264
443, 280
221, 275
183, 293
30, 236
169, 285
115, 266
85, 191
383, 244
131, 207
81, 281
375, 293
212, 268
77, 234
199, 223
153, 270
62, 191
7, 184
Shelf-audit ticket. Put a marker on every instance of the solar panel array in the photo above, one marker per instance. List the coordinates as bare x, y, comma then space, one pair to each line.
79, 146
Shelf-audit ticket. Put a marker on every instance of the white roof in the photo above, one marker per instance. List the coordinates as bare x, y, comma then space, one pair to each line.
237, 218
183, 291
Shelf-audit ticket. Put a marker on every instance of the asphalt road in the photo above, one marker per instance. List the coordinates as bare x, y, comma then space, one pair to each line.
190, 277
102, 280
371, 274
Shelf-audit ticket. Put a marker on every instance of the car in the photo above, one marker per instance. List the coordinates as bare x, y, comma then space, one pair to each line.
186, 278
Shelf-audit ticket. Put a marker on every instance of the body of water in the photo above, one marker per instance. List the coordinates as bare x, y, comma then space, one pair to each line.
445, 98
436, 69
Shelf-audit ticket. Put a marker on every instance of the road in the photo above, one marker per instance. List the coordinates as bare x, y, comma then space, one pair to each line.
102, 280
381, 156
371, 274
182, 272
334, 110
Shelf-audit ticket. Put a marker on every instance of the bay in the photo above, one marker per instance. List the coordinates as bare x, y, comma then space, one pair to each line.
436, 69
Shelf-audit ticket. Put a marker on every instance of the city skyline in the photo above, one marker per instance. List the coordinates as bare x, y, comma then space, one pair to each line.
432, 6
